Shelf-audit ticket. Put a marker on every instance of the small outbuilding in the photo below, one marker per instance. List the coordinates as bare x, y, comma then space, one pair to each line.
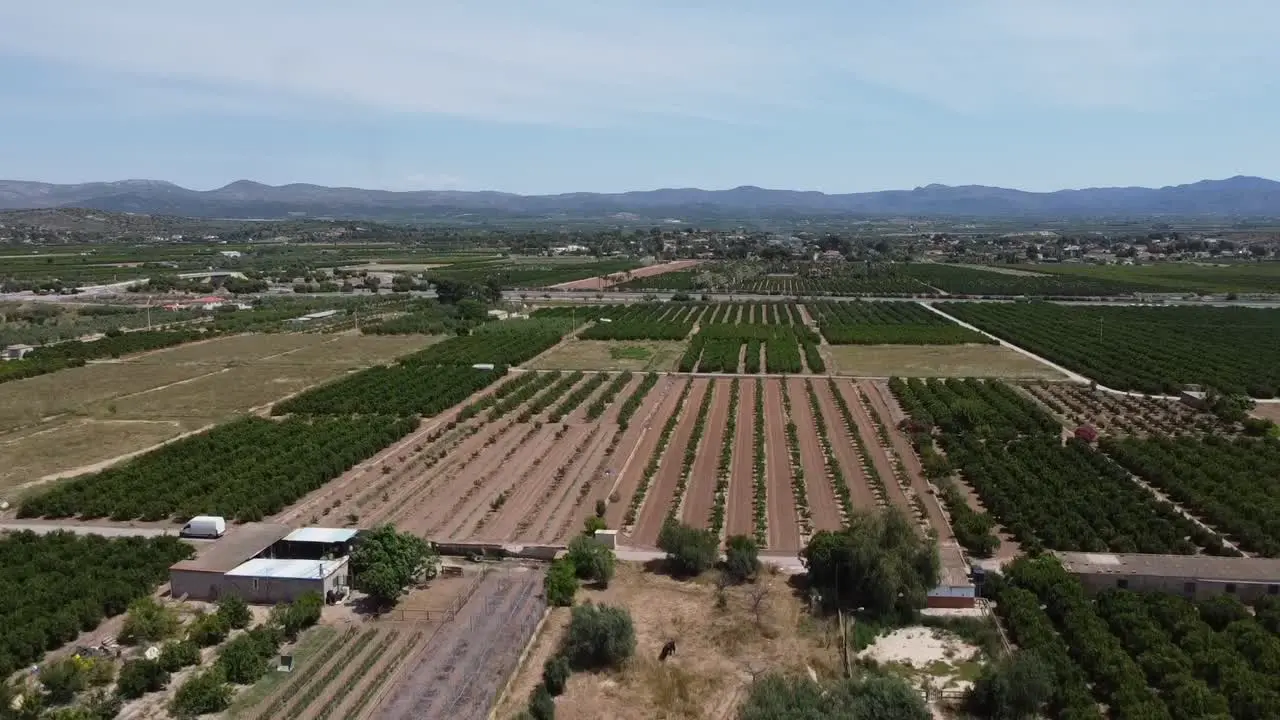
317, 543
17, 351
271, 581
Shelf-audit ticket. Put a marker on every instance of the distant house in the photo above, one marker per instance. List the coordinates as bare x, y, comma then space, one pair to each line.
233, 254
17, 351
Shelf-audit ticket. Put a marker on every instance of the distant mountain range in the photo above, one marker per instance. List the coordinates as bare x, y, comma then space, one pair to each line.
1235, 197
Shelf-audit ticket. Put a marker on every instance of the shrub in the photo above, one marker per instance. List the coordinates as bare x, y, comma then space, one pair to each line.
62, 679
244, 659
742, 557
1012, 689
874, 696
176, 655
298, 615
591, 561
592, 524
541, 705
561, 583
601, 508
599, 636
235, 611
203, 694
555, 673
139, 677
208, 630
102, 672
148, 621
690, 551
102, 705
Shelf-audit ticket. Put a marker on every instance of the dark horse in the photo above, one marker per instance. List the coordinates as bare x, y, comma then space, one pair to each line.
667, 650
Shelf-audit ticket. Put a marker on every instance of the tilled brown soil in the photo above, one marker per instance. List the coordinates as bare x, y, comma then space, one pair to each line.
701, 494
784, 527
661, 497
739, 515
642, 437
845, 449
879, 459
823, 505
907, 454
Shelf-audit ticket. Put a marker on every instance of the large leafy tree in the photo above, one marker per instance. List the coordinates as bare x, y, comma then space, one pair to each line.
384, 562
872, 697
877, 562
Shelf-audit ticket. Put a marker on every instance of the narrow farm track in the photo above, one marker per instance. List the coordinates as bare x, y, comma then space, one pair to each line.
739, 519
823, 504
876, 392
646, 425
701, 493
661, 499
845, 449
867, 429
784, 527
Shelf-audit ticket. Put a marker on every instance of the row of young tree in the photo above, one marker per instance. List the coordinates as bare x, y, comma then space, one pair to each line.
395, 390
246, 469
55, 586
75, 353
1229, 483
1148, 349
509, 342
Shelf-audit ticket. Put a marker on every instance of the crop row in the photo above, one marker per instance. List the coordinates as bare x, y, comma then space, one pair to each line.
636, 331
331, 648
834, 470
367, 693
958, 406
633, 401
725, 466
664, 437
367, 662
860, 446
1232, 484
797, 469
543, 401
691, 452
246, 469
309, 694
481, 404
1148, 349
516, 275
57, 585
891, 454
760, 479
575, 398
510, 342
396, 390
887, 323
597, 407
523, 393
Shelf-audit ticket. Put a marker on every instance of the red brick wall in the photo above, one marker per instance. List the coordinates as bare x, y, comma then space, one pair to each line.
949, 602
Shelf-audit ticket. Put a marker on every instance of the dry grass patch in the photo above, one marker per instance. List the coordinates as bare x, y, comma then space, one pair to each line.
719, 649
637, 356
938, 361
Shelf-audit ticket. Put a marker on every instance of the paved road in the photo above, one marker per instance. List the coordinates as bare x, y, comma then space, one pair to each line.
103, 530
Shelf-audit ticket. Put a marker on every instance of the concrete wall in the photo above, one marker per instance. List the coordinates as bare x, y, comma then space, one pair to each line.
1189, 588
195, 584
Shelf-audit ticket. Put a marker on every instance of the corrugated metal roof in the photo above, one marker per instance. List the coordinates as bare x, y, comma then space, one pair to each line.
321, 535
290, 569
239, 544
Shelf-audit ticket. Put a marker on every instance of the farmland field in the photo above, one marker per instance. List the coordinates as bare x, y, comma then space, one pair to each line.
637, 356
1236, 277
79, 417
938, 361
1148, 349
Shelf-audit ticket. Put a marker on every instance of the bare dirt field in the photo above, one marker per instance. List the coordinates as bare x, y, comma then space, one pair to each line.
640, 355
1270, 411
938, 361
718, 649
55, 423
607, 281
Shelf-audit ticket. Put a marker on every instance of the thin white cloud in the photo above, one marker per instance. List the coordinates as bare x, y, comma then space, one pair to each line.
584, 63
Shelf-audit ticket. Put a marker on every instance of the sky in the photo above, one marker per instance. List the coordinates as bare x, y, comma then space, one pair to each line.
576, 95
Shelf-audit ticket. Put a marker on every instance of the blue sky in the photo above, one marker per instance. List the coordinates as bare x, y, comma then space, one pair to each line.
569, 95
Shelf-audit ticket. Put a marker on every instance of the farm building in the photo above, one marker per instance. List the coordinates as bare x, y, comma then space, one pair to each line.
17, 352
265, 563
955, 588
322, 314
1192, 576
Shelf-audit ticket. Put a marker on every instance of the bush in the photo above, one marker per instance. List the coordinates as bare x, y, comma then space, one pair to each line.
102, 705
541, 705
1012, 689
62, 679
208, 630
555, 673
102, 672
245, 658
561, 583
148, 621
176, 655
591, 561
599, 636
592, 524
883, 697
235, 611
690, 551
601, 508
203, 694
298, 615
139, 677
742, 557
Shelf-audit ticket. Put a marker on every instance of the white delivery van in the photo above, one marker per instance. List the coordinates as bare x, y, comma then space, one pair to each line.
204, 526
